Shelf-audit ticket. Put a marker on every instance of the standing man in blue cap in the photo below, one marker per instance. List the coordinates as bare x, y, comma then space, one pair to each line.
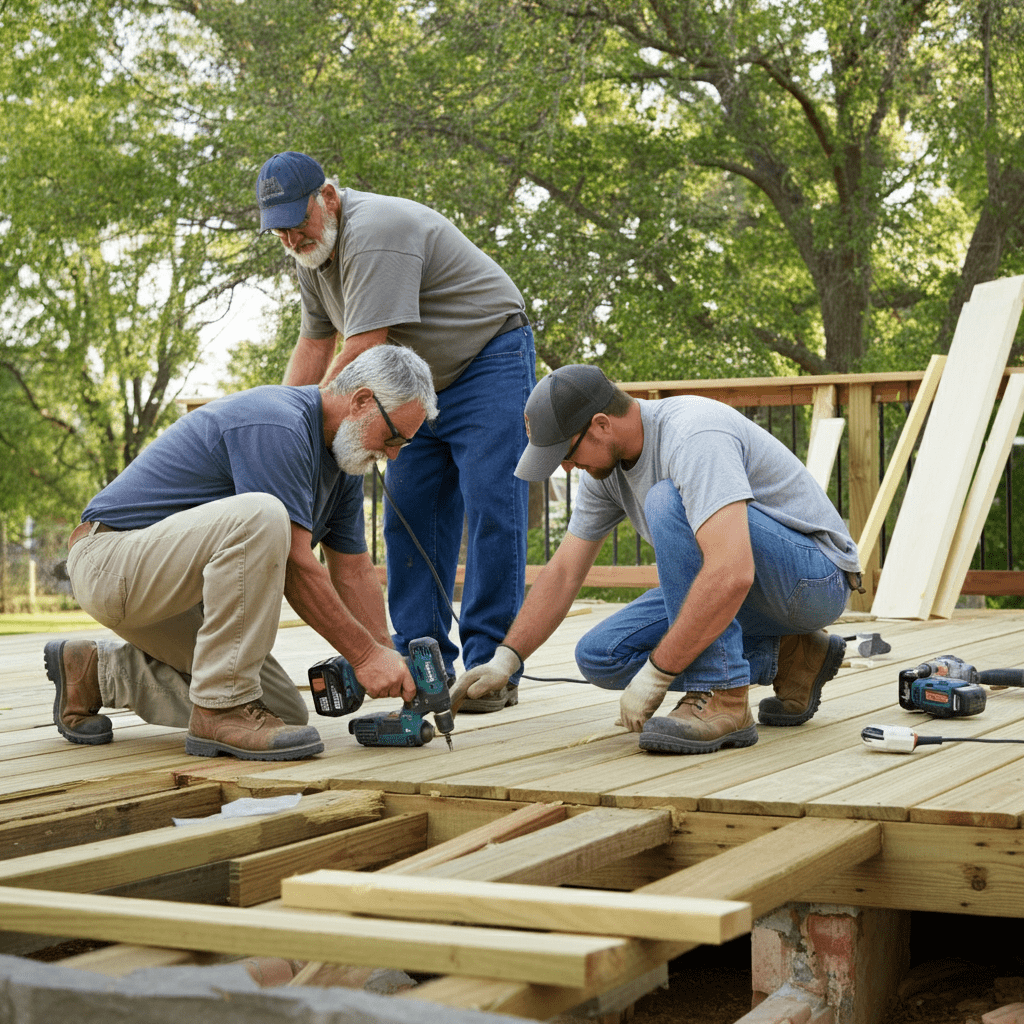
374, 270
753, 560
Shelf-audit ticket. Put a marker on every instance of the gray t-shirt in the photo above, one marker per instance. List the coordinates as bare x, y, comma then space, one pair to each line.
715, 456
403, 266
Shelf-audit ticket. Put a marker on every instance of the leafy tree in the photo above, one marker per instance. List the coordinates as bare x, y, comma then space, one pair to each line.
109, 258
680, 189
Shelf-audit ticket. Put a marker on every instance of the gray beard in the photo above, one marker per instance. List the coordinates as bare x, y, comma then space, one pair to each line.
348, 450
324, 248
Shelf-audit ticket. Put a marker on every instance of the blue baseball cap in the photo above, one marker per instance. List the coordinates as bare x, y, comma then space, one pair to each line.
283, 188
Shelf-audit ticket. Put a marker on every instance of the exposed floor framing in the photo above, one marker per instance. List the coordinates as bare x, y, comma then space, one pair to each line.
560, 866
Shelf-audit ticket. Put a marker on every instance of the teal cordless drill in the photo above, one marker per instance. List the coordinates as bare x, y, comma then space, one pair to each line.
337, 692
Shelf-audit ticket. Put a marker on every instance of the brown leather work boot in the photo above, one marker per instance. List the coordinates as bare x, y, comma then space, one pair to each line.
72, 666
703, 721
806, 663
249, 731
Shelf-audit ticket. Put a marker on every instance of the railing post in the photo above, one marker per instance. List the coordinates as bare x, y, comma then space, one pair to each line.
863, 478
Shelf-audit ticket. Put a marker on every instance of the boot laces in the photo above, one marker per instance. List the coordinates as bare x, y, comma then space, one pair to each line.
698, 698
258, 709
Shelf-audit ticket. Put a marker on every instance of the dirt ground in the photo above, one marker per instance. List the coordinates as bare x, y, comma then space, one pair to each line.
960, 968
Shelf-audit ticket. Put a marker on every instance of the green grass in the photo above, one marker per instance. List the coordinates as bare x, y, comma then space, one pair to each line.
45, 622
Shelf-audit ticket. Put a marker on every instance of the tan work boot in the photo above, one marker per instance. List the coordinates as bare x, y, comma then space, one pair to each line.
703, 721
249, 731
806, 663
73, 668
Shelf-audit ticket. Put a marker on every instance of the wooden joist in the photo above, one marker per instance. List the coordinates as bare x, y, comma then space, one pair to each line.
305, 935
92, 867
765, 872
256, 878
564, 851
547, 908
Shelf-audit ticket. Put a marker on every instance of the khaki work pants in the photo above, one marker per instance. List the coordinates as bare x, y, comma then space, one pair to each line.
197, 598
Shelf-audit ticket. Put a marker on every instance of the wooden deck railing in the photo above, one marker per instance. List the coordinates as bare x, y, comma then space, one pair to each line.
861, 400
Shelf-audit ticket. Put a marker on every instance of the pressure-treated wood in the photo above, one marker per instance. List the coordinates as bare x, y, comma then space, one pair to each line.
92, 867
489, 952
408, 897
107, 819
764, 872
563, 851
979, 500
949, 450
897, 464
257, 877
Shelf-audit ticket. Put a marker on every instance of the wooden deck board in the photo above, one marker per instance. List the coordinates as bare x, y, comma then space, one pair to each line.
561, 742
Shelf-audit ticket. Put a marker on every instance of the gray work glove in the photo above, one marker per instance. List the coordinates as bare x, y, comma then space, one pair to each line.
486, 678
643, 696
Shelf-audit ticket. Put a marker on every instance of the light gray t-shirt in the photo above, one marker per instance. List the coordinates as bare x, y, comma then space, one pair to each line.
715, 456
403, 266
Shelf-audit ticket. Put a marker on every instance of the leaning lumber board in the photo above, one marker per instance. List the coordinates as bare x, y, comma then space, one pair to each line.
949, 450
542, 908
489, 952
95, 866
257, 877
979, 500
766, 872
900, 457
563, 852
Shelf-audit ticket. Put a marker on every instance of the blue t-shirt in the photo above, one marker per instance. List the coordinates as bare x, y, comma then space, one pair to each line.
268, 440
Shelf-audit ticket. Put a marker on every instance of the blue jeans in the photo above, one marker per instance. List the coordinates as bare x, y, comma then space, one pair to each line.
461, 467
796, 589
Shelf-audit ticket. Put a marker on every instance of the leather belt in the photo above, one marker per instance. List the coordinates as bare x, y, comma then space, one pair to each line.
514, 321
856, 582
84, 529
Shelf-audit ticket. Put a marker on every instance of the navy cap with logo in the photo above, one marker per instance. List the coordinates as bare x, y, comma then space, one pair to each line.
558, 408
284, 186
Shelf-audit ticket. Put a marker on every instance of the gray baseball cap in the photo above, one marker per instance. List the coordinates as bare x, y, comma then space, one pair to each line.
559, 407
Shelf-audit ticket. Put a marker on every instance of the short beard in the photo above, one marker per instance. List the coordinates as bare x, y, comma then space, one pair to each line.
349, 452
323, 249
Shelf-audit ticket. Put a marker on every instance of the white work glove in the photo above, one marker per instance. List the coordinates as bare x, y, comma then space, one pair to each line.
643, 696
483, 679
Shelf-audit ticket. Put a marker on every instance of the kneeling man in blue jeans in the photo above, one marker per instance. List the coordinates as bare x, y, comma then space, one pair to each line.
753, 561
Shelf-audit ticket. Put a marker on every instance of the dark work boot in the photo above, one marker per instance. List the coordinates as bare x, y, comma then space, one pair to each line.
72, 666
251, 732
806, 663
703, 721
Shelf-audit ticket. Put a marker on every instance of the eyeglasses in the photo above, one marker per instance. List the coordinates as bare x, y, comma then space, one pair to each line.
572, 451
396, 440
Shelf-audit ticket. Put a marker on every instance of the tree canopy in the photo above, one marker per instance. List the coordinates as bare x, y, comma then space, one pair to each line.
680, 188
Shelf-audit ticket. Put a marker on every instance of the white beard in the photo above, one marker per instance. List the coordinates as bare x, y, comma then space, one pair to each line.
349, 452
322, 250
